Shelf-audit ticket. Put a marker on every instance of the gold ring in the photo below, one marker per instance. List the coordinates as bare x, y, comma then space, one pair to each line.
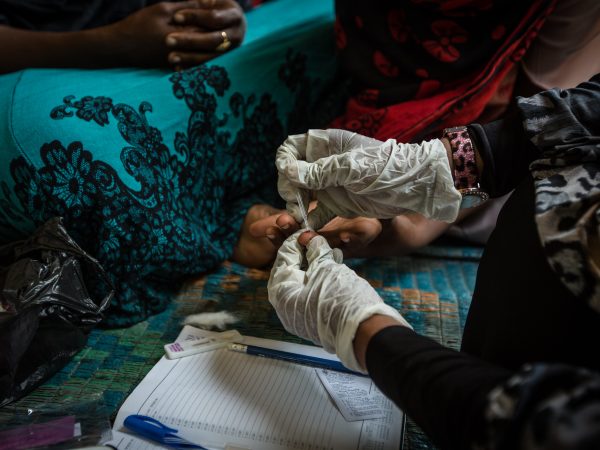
223, 46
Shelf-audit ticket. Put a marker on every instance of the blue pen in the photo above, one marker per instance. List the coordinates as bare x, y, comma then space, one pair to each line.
313, 361
158, 432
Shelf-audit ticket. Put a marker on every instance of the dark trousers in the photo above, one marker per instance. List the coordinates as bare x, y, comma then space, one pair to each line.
520, 311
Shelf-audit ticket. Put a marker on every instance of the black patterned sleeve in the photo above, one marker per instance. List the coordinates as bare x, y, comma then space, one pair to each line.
545, 407
549, 129
505, 151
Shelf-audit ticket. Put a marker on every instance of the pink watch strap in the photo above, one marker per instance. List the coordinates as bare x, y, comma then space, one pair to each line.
463, 153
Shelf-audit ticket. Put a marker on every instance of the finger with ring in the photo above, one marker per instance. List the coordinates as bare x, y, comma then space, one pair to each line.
223, 46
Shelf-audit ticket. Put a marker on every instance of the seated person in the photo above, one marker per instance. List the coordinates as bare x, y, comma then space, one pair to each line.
525, 377
155, 172
417, 67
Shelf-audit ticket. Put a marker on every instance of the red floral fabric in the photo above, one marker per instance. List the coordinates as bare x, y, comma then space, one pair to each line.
419, 66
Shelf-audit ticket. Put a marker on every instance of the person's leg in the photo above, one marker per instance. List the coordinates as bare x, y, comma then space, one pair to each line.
361, 237
520, 311
353, 236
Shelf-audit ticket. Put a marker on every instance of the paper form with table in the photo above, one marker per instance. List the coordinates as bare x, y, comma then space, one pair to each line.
224, 398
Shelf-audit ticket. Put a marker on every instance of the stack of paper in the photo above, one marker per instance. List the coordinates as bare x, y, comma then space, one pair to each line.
223, 397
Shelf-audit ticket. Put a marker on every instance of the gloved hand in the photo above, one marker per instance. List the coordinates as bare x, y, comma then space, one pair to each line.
327, 302
354, 175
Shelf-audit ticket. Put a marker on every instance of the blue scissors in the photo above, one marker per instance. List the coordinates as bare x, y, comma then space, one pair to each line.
156, 431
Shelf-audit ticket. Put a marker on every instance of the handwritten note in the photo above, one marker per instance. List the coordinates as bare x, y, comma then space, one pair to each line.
355, 397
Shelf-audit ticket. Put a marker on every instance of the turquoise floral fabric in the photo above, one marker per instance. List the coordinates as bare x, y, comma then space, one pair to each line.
153, 172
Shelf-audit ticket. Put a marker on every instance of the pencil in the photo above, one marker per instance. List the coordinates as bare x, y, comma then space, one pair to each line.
296, 358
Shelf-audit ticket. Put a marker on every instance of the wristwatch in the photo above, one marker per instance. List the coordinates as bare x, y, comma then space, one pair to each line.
466, 175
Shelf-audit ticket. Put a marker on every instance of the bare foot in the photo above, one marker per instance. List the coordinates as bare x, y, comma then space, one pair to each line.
402, 235
350, 235
405, 234
254, 250
265, 228
395, 237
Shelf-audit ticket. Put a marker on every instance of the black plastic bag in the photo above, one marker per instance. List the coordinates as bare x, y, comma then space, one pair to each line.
46, 311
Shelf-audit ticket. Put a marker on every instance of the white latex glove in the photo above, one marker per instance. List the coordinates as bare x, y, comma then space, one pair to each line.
354, 175
327, 302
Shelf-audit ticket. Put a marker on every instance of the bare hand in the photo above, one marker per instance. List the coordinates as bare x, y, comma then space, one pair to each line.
139, 39
211, 28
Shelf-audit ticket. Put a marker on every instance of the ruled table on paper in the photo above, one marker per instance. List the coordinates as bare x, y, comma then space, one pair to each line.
223, 397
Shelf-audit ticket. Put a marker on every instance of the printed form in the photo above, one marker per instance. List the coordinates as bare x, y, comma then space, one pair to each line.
223, 398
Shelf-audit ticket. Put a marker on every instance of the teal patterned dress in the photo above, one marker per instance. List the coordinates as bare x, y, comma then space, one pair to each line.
154, 171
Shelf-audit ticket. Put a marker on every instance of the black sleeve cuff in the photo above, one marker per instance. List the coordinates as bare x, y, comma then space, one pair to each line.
506, 152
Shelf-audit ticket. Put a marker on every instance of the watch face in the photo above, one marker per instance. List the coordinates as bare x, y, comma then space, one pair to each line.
471, 200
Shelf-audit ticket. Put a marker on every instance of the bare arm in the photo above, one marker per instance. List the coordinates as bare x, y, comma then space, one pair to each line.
138, 40
20, 49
